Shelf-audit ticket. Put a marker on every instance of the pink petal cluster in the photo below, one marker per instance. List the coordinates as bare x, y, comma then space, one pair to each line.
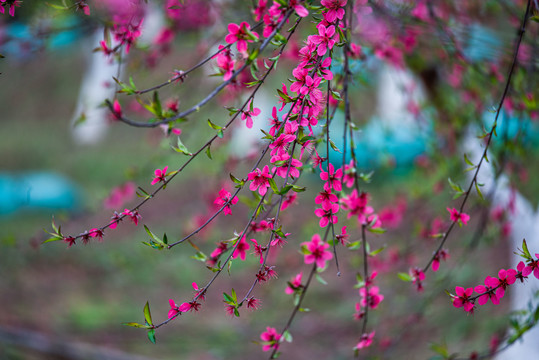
160, 175
457, 216
239, 34
260, 180
316, 252
225, 198
246, 115
270, 339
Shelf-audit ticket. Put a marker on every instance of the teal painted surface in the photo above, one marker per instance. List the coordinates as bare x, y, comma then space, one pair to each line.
35, 191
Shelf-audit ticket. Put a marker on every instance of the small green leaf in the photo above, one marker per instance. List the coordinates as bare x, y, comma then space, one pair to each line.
287, 336
336, 95
213, 126
273, 186
136, 325
478, 190
147, 314
208, 152
454, 186
376, 230
182, 149
228, 298
151, 335
320, 279
525, 249
333, 146
377, 251
405, 276
468, 160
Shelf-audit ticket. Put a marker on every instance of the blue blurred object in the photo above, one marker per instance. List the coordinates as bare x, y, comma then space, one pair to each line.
22, 39
37, 191
379, 145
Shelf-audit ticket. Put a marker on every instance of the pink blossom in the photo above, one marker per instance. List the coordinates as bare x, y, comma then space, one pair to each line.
260, 180
462, 299
241, 34
70, 240
270, 339
316, 252
325, 198
120, 195
241, 249
289, 199
421, 11
365, 341
440, 255
327, 214
81, 5
487, 291
134, 215
224, 198
343, 237
246, 115
96, 233
225, 62
174, 309
456, 216
325, 39
299, 9
373, 299
332, 179
117, 110
160, 175
11, 4
198, 292
253, 303
335, 9
418, 276
294, 285
260, 9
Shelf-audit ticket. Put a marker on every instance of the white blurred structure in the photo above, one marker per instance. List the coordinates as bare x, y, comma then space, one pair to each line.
90, 119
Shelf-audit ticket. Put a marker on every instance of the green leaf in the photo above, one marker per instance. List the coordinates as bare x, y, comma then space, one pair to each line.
525, 249
377, 230
232, 111
236, 180
297, 188
57, 7
152, 235
336, 95
285, 189
454, 186
333, 146
273, 186
214, 126
147, 314
228, 298
200, 256
468, 161
251, 58
478, 190
136, 325
182, 149
158, 109
320, 279
151, 335
208, 152
287, 336
405, 276
440, 349
377, 251
142, 193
